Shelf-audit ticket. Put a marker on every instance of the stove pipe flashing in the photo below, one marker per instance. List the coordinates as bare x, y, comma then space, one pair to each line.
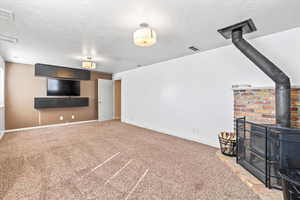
282, 81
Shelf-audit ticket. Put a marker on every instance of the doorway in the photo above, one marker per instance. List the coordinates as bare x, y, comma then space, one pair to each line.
105, 100
117, 99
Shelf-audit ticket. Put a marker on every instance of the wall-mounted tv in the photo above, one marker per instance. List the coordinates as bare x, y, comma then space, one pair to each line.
56, 87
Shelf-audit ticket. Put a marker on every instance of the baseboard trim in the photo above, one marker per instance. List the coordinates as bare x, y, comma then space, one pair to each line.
168, 133
46, 126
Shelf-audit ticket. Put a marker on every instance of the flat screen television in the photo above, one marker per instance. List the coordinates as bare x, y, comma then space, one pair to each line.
56, 87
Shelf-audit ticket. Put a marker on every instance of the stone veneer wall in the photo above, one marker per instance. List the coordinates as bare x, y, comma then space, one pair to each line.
258, 105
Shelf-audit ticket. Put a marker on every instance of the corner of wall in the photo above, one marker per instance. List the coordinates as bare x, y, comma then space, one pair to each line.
2, 96
1, 134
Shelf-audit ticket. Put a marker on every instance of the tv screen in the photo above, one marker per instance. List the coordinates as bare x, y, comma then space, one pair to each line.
57, 87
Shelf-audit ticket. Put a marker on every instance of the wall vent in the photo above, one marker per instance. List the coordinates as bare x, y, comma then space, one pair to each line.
6, 14
193, 48
241, 86
8, 38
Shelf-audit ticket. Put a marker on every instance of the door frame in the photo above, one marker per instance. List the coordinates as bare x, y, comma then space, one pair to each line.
99, 100
117, 81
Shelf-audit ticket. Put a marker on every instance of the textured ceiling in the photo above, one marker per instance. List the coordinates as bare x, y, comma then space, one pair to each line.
63, 32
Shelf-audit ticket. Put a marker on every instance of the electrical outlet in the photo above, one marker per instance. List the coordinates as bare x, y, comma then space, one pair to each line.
61, 118
73, 116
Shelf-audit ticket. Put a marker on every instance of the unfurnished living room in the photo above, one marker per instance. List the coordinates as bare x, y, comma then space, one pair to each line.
142, 100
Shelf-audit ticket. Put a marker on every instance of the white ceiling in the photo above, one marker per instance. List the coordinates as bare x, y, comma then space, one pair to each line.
64, 32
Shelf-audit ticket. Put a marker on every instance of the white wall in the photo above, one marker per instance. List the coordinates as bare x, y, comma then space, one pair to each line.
191, 97
2, 111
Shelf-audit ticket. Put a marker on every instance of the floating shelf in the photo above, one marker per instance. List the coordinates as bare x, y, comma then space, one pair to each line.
44, 102
61, 72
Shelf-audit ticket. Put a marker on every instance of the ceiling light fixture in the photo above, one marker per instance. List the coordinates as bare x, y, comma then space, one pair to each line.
88, 64
8, 38
144, 36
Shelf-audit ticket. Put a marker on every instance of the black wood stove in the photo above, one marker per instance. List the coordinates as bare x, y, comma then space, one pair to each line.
264, 149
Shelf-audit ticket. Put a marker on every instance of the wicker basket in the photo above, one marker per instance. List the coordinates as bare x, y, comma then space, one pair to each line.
228, 143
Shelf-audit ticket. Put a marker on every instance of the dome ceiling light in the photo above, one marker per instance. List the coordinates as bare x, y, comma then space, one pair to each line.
88, 64
144, 36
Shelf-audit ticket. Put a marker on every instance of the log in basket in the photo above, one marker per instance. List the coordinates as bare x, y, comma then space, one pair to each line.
228, 143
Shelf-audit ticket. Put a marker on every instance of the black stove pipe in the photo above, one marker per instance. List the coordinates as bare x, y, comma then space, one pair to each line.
282, 81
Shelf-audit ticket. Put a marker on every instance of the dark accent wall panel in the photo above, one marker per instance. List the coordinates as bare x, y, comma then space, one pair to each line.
61, 72
44, 102
22, 86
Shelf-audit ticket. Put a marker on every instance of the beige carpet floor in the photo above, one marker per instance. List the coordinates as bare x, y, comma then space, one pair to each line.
112, 160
